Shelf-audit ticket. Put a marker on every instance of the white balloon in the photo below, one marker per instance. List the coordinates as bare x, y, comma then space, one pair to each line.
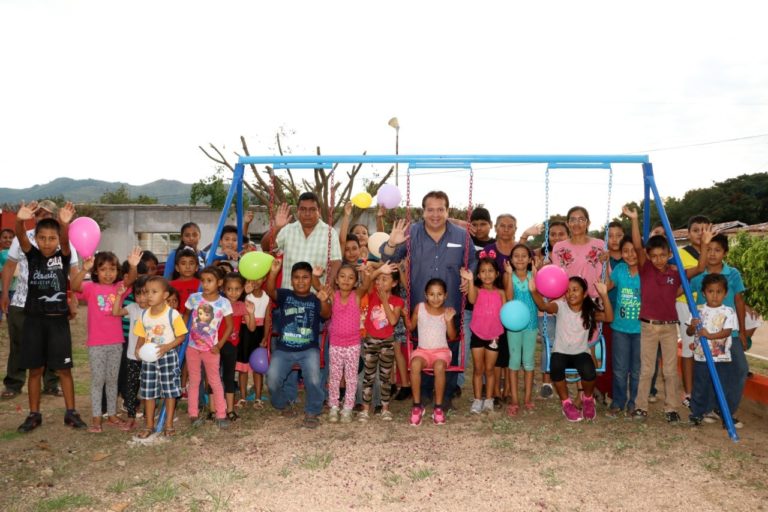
375, 241
148, 352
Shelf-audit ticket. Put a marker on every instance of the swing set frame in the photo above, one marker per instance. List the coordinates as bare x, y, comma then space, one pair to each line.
447, 161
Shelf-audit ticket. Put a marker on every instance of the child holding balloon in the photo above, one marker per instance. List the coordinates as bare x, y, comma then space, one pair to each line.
105, 331
251, 340
486, 291
577, 317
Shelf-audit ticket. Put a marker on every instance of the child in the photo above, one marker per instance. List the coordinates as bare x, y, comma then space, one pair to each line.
522, 344
173, 298
227, 249
185, 276
659, 284
717, 322
577, 317
625, 281
151, 262
46, 339
298, 318
257, 302
105, 331
360, 233
133, 312
344, 332
714, 255
164, 327
384, 308
485, 291
242, 314
207, 309
190, 237
435, 325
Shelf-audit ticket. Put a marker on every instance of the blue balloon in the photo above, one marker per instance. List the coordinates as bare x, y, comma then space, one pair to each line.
515, 315
259, 360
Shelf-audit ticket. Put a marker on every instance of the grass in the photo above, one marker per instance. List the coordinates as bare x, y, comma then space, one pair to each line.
316, 461
162, 492
122, 485
712, 460
10, 435
550, 477
393, 480
218, 500
65, 502
421, 474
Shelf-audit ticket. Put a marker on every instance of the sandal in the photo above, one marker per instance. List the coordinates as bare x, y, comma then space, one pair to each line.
95, 429
258, 404
119, 424
311, 422
288, 412
8, 394
144, 433
241, 403
232, 416
529, 406
169, 431
512, 410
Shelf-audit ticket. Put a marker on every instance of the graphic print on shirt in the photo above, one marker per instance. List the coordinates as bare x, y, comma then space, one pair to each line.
298, 322
203, 332
628, 301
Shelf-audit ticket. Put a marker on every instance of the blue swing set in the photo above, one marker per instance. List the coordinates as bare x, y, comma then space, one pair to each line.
416, 162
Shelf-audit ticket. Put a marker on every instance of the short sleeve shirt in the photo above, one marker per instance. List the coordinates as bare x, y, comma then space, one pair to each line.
104, 328
47, 281
376, 322
313, 249
570, 334
160, 329
238, 312
715, 320
185, 287
626, 315
658, 292
206, 317
134, 314
735, 286
581, 260
298, 322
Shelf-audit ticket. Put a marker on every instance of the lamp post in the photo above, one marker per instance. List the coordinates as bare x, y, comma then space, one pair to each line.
394, 123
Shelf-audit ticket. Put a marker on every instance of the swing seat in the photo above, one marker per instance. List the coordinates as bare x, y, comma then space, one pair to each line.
409, 347
600, 354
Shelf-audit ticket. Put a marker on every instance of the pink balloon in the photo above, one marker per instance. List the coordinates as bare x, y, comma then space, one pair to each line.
551, 281
389, 196
84, 233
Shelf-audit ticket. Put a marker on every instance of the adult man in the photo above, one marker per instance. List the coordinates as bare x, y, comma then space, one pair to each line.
437, 250
15, 375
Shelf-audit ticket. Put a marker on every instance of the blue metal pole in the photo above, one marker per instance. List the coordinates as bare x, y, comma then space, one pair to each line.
647, 179
725, 412
239, 217
327, 161
237, 184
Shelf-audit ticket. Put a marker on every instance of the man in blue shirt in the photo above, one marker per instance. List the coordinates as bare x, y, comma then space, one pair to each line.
437, 250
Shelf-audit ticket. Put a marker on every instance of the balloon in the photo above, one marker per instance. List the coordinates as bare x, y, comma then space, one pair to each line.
388, 196
84, 233
551, 281
515, 315
362, 200
375, 241
148, 352
255, 264
259, 360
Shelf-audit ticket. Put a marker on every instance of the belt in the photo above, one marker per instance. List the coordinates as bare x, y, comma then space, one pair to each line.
659, 322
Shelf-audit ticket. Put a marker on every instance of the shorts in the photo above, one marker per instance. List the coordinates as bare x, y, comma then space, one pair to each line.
492, 345
433, 355
161, 379
46, 341
503, 360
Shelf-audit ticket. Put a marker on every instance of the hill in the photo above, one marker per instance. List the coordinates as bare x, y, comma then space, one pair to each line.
90, 190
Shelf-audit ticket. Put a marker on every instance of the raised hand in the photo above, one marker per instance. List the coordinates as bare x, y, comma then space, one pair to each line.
532, 282
276, 264
88, 264
466, 274
601, 288
135, 256
282, 215
384, 295
26, 212
250, 307
534, 230
508, 267
318, 271
706, 235
121, 289
67, 213
630, 213
248, 217
324, 293
397, 235
388, 268
347, 209
449, 314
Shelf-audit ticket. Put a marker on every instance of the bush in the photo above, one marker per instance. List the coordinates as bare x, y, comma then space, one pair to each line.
750, 255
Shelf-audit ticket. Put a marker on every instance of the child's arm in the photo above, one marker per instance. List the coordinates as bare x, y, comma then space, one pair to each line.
706, 237
228, 324
317, 273
133, 261
66, 214
637, 239
267, 327
741, 316
344, 228
167, 347
469, 278
414, 318
271, 283
250, 320
325, 302
509, 290
117, 307
606, 315
450, 326
139, 343
547, 307
76, 281
247, 219
380, 213
720, 335
24, 213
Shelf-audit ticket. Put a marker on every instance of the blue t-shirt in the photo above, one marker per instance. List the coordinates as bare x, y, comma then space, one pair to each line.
523, 294
298, 322
626, 316
735, 285
613, 291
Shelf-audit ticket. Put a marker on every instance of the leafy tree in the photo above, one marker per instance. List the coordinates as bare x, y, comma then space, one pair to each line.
121, 195
83, 210
750, 255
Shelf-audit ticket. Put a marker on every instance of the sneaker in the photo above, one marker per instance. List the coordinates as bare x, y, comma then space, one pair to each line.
223, 423
546, 390
33, 420
695, 421
497, 403
488, 405
438, 416
588, 408
346, 416
417, 412
403, 394
570, 411
640, 415
73, 420
672, 417
386, 415
377, 409
737, 423
477, 406
363, 416
333, 415
652, 399
711, 417
687, 401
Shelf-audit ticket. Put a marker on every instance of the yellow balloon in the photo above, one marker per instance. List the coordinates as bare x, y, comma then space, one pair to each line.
362, 200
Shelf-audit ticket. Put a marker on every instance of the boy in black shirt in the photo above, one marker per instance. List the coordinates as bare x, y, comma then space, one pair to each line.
46, 340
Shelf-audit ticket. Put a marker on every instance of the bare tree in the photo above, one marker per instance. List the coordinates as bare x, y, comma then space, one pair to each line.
287, 188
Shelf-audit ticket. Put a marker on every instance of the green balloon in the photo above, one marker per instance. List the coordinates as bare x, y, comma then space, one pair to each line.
255, 264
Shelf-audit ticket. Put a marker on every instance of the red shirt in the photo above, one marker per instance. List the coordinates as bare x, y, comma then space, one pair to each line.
658, 292
238, 315
376, 323
185, 287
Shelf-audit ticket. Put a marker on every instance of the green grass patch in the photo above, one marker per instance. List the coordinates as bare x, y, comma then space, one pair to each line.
65, 502
10, 435
316, 461
421, 474
393, 480
161, 492
550, 477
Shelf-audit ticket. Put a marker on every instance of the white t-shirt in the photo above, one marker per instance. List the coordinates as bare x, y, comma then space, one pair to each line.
260, 306
570, 336
715, 320
16, 254
134, 313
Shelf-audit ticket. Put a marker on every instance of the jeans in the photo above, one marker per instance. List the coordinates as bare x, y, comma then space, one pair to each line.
280, 372
626, 369
733, 383
703, 398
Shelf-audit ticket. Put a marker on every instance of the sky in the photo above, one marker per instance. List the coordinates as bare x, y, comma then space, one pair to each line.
128, 91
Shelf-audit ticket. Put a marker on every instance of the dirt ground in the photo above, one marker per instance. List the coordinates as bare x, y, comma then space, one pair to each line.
264, 462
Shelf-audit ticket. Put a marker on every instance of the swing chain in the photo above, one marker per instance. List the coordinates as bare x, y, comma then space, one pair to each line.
545, 322
331, 208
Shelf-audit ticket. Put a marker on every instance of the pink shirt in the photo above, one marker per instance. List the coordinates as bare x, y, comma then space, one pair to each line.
345, 321
581, 260
103, 327
486, 319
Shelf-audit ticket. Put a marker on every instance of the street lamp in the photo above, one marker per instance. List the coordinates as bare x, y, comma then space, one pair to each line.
394, 123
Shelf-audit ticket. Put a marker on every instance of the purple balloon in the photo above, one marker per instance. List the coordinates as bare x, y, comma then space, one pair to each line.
389, 196
259, 360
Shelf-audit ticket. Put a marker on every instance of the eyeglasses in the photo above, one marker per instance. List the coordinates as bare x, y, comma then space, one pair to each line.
577, 220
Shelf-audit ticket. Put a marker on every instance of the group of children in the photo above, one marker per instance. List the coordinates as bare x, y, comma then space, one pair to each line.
229, 317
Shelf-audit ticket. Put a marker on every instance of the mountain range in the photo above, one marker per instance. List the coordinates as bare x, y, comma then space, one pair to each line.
90, 190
